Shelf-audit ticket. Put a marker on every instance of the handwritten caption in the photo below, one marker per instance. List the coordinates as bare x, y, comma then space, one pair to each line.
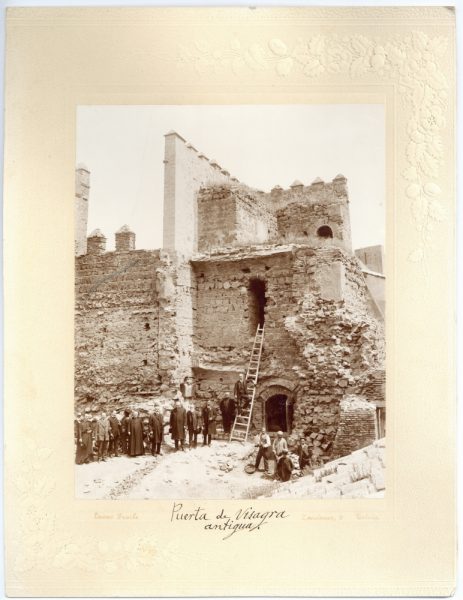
230, 522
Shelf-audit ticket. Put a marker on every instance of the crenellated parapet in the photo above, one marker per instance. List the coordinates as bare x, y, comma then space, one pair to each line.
316, 192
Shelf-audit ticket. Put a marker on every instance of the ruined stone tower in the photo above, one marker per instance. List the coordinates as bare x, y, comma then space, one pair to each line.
234, 258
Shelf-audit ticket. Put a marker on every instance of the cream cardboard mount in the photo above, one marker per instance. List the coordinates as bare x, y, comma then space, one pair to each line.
402, 544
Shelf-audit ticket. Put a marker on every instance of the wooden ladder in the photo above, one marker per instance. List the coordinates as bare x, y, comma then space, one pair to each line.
242, 424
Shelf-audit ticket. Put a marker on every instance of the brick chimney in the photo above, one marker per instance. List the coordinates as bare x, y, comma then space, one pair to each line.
125, 239
96, 243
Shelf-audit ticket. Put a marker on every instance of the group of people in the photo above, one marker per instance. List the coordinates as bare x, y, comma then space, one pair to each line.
278, 452
103, 436
98, 437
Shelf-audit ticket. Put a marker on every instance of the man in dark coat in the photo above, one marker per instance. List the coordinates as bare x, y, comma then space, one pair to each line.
209, 415
80, 450
228, 410
156, 431
86, 435
194, 425
114, 434
125, 431
135, 433
178, 424
241, 393
285, 467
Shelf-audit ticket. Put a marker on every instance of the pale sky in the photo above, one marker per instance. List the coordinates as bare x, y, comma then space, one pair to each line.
261, 145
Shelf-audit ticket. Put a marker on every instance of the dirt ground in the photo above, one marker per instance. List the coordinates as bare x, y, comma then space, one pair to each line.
205, 472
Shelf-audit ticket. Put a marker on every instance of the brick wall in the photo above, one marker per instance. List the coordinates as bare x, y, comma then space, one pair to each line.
356, 425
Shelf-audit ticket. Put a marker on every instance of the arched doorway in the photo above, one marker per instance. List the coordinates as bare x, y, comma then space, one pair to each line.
274, 406
276, 413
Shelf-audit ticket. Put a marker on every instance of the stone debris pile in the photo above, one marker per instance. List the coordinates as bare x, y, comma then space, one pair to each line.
357, 475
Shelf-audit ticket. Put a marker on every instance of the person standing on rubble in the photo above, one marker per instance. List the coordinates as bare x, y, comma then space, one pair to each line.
194, 425
135, 433
209, 426
188, 390
125, 431
279, 445
265, 450
102, 436
114, 434
178, 424
86, 435
241, 393
156, 431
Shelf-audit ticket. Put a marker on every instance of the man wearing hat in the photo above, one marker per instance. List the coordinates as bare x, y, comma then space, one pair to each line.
114, 434
102, 436
285, 467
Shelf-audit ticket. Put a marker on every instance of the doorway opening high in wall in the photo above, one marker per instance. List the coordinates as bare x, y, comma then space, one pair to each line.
257, 301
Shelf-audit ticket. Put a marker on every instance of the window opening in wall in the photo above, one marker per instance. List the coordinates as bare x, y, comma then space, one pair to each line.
325, 232
257, 302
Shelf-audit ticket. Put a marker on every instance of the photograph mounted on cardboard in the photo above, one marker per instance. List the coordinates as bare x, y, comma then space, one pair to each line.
230, 301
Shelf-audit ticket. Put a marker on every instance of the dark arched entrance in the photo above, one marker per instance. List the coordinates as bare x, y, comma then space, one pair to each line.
276, 413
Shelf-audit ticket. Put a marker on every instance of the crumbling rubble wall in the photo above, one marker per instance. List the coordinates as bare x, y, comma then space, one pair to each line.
341, 341
319, 332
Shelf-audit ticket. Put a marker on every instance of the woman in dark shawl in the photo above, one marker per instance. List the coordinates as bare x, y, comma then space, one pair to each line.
135, 433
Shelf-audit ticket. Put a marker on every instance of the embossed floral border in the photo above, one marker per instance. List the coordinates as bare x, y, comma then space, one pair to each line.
418, 64
412, 61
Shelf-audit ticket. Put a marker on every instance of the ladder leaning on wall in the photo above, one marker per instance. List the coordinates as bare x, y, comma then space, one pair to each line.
242, 424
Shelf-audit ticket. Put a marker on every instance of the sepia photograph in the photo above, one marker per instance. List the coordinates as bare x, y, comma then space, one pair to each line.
230, 302
202, 207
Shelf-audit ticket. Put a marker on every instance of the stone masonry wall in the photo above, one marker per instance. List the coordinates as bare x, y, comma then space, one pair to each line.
133, 326
229, 215
300, 222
